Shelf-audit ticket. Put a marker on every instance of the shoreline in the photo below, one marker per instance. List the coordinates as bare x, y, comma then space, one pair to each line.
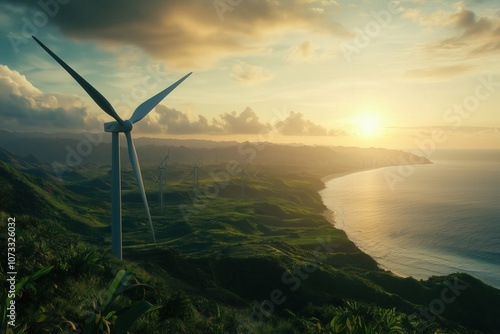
329, 177
329, 215
332, 176
330, 218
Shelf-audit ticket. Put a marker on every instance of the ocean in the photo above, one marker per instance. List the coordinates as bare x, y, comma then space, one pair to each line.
425, 220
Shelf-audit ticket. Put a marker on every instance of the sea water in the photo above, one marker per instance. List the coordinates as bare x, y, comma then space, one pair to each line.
425, 220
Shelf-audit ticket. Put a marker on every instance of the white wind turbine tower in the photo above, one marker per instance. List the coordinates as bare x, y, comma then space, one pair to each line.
162, 178
115, 127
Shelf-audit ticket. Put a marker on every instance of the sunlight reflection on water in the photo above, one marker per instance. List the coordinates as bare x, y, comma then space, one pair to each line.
442, 219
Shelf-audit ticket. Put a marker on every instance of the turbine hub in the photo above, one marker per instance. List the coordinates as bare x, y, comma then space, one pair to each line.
128, 125
116, 127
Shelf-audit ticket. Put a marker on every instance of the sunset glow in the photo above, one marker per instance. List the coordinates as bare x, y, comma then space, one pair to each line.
411, 66
369, 125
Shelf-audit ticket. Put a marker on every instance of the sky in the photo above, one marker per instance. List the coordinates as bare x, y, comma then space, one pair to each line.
395, 74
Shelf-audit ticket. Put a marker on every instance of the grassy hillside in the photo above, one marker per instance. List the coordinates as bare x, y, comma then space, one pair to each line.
262, 260
38, 197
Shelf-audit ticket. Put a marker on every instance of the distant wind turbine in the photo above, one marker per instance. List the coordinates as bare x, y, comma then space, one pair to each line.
200, 161
244, 175
119, 125
162, 178
195, 173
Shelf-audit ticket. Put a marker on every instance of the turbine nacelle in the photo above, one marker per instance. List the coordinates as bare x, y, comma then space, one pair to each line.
117, 127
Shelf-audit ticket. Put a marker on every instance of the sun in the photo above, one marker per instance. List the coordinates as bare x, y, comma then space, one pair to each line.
368, 125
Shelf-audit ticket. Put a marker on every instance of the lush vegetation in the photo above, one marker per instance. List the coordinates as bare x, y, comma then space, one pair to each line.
262, 260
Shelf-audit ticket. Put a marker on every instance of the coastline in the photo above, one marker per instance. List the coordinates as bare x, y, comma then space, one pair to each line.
330, 177
330, 217
330, 214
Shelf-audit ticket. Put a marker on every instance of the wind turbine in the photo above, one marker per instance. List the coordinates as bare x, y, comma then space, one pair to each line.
243, 175
162, 178
115, 127
200, 161
195, 172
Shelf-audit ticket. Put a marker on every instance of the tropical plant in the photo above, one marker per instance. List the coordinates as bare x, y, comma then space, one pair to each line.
357, 318
108, 316
7, 297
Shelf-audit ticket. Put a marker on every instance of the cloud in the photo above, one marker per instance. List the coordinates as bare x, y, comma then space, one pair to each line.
246, 122
189, 33
173, 121
439, 72
23, 106
434, 19
249, 74
304, 52
296, 125
473, 35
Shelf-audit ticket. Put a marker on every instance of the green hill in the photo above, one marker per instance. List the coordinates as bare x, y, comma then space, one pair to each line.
34, 196
268, 262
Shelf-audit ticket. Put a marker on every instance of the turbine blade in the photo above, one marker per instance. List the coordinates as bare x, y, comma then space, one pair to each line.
93, 93
152, 102
137, 170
